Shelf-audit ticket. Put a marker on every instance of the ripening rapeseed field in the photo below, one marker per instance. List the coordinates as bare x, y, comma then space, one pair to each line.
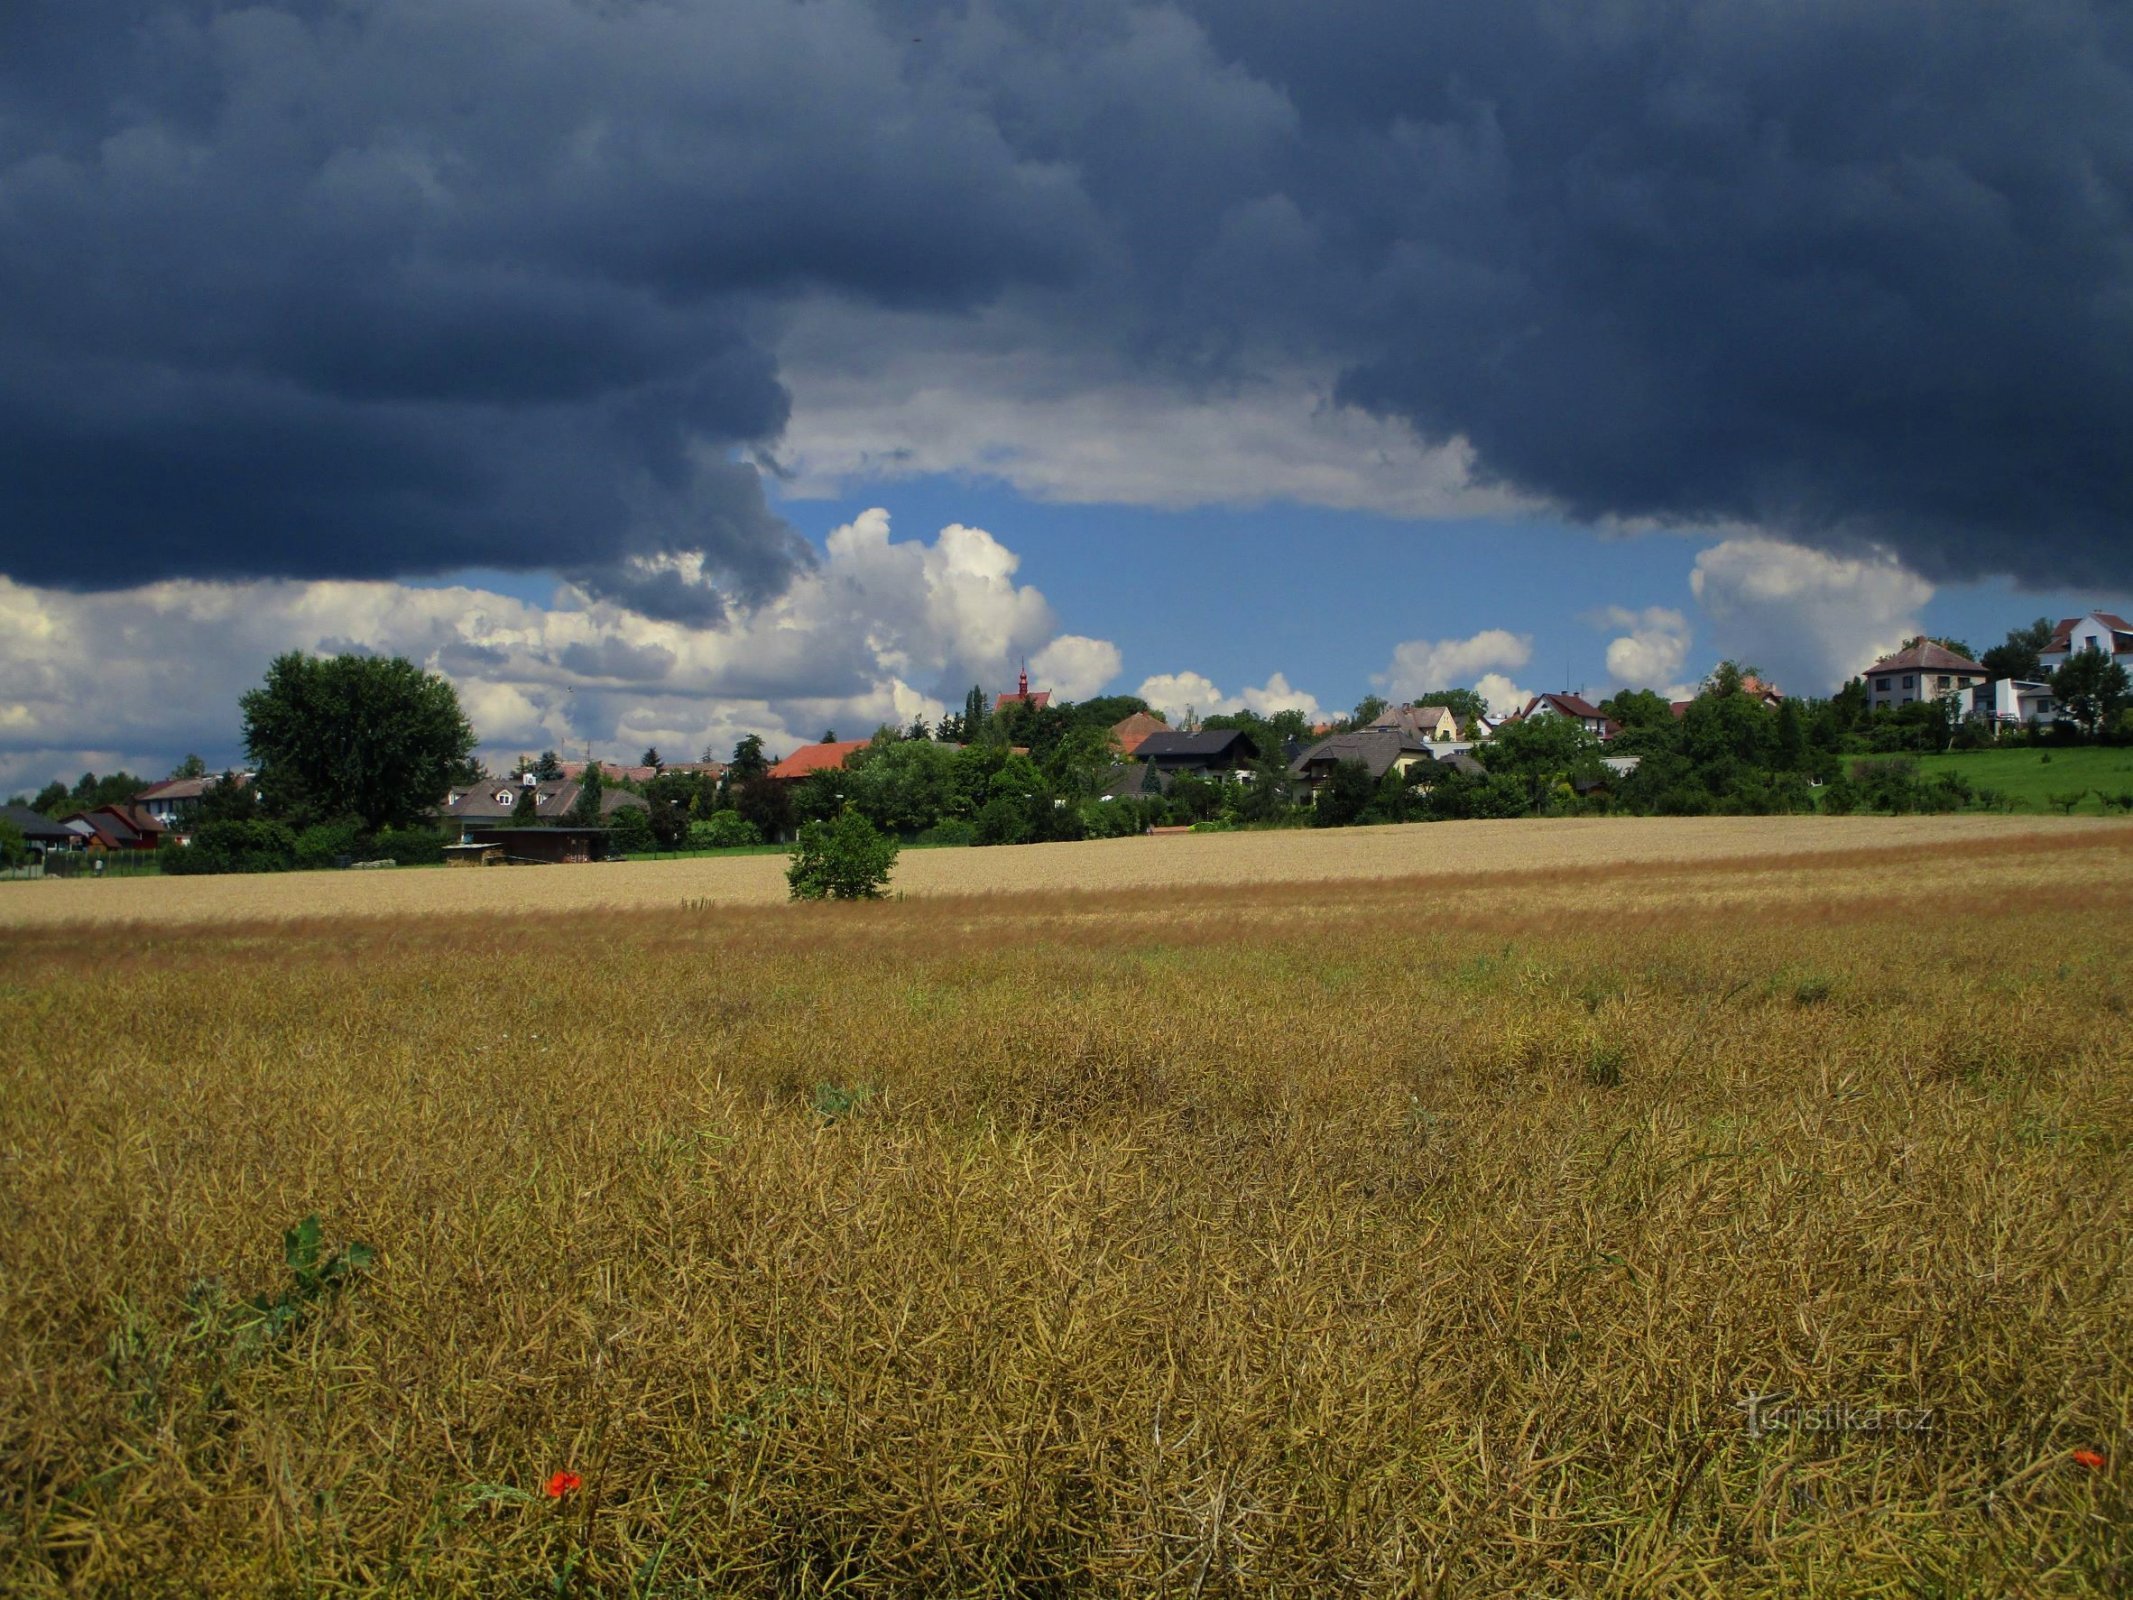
1745, 1227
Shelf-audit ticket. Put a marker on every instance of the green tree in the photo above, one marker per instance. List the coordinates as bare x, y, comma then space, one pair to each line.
748, 760
549, 769
526, 809
841, 858
374, 737
2089, 689
585, 809
651, 759
191, 767
1638, 708
14, 846
2018, 656
229, 798
1344, 796
1465, 704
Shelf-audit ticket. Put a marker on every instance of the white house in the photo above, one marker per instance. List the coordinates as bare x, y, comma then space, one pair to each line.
1922, 670
1576, 707
2099, 630
2013, 702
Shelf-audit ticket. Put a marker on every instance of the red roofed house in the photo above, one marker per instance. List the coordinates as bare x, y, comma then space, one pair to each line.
2099, 630
1596, 722
115, 827
1921, 670
1130, 732
1023, 697
828, 756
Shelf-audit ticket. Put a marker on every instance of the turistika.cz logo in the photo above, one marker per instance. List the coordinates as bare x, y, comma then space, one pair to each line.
1779, 1413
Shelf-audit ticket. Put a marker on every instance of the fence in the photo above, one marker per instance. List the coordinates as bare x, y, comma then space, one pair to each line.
115, 864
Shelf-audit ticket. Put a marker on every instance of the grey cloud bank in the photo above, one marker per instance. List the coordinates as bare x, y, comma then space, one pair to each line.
381, 288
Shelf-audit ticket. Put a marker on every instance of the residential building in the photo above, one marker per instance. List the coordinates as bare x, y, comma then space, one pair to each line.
1575, 706
1922, 670
2013, 702
1132, 780
494, 804
175, 802
39, 830
2099, 630
828, 756
1378, 750
1210, 751
114, 827
1129, 733
1036, 701
1434, 723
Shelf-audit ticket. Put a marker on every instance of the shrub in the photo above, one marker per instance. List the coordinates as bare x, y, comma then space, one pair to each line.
410, 847
1002, 820
232, 847
846, 858
2067, 800
14, 847
631, 829
324, 843
723, 830
955, 830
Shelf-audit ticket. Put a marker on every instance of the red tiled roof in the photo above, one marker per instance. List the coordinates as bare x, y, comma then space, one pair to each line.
1132, 730
1926, 656
1040, 698
2063, 635
811, 758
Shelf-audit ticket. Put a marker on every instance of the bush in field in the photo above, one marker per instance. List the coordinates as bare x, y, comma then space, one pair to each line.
232, 847
723, 830
410, 847
631, 830
1002, 820
844, 858
322, 844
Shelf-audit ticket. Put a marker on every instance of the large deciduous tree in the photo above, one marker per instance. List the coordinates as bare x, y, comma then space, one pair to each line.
370, 737
2089, 688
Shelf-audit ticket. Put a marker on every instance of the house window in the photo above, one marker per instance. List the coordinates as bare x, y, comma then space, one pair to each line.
1882, 684
1910, 682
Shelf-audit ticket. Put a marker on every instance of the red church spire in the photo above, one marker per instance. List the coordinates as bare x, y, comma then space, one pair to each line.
1022, 683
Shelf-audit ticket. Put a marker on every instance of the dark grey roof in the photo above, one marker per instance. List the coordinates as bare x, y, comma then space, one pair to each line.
1209, 744
1133, 778
36, 826
1376, 748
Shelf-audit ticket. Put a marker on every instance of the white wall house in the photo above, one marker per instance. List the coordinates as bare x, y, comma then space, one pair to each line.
2013, 703
2099, 630
1923, 670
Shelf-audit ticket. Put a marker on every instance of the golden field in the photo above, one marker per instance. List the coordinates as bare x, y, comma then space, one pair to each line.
1296, 856
1395, 1235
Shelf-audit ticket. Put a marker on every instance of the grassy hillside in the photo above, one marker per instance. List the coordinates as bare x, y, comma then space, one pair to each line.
1223, 1241
2031, 777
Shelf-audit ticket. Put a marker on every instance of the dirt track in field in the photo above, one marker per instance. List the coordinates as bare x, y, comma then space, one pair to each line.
1447, 849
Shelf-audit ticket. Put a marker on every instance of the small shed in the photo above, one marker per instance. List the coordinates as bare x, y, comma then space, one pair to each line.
544, 844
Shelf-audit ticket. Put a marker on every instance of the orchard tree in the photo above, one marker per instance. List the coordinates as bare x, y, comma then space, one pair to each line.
370, 737
2020, 655
2089, 688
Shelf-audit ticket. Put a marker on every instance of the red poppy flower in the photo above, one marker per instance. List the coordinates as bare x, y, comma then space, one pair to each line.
562, 1483
2092, 1459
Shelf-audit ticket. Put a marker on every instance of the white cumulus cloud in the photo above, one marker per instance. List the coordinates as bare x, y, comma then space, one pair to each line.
1174, 694
1807, 619
1651, 652
1422, 665
881, 631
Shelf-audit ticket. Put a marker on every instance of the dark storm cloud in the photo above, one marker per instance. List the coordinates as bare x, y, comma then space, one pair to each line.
384, 287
